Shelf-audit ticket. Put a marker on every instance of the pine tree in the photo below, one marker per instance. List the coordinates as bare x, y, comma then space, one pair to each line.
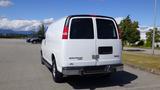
41, 32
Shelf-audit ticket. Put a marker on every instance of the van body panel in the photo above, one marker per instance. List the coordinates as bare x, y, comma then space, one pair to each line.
89, 47
108, 44
52, 44
87, 44
111, 58
79, 52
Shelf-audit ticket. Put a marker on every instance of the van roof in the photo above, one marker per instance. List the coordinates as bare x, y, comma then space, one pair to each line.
87, 15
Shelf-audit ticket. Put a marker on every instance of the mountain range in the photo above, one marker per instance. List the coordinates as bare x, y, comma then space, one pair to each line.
9, 31
142, 29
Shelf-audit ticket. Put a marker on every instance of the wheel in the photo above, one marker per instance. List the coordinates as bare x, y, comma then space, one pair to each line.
57, 76
42, 59
34, 42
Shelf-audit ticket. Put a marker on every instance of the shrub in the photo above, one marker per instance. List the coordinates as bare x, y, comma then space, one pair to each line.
140, 43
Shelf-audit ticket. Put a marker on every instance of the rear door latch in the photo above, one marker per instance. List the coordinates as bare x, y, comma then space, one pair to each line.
95, 57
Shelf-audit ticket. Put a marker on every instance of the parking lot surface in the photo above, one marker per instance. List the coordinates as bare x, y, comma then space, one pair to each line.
20, 69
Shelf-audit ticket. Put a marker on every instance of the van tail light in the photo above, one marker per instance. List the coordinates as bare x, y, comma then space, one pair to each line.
120, 33
65, 33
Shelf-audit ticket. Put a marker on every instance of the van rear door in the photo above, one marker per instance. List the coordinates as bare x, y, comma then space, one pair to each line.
80, 48
108, 44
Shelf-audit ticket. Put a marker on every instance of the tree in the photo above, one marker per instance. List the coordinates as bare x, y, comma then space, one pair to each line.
130, 34
149, 37
41, 32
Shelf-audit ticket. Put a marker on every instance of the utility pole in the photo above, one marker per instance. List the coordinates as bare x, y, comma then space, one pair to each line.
154, 27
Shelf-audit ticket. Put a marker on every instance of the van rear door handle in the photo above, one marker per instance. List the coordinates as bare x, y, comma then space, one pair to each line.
95, 57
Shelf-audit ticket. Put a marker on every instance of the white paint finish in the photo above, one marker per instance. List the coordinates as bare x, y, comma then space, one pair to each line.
109, 58
78, 48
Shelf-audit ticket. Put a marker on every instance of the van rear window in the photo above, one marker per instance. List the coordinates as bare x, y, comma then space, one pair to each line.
81, 28
106, 29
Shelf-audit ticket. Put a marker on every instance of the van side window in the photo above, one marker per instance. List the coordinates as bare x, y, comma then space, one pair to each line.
106, 29
81, 28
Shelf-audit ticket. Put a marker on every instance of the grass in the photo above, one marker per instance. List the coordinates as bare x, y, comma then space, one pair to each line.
142, 61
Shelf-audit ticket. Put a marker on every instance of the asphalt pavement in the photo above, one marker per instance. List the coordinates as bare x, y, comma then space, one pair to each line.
20, 69
141, 50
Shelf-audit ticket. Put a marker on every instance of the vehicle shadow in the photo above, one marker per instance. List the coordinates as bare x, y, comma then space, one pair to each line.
95, 81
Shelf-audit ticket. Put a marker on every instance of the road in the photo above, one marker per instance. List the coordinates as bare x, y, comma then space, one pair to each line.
141, 50
20, 69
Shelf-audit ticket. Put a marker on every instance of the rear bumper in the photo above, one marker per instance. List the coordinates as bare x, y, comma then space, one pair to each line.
92, 69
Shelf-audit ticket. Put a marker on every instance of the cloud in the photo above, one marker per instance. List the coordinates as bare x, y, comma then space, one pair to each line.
23, 25
5, 3
27, 25
49, 20
119, 19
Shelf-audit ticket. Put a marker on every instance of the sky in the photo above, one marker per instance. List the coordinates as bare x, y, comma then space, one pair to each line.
40, 10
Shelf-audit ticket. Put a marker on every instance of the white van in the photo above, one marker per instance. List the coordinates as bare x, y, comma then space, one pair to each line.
82, 44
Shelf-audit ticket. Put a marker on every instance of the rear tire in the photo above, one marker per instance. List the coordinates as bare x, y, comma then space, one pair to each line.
57, 76
34, 42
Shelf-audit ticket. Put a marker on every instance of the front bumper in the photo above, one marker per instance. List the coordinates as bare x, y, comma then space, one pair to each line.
83, 70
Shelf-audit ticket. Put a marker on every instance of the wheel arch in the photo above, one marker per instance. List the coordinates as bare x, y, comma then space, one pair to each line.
53, 57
